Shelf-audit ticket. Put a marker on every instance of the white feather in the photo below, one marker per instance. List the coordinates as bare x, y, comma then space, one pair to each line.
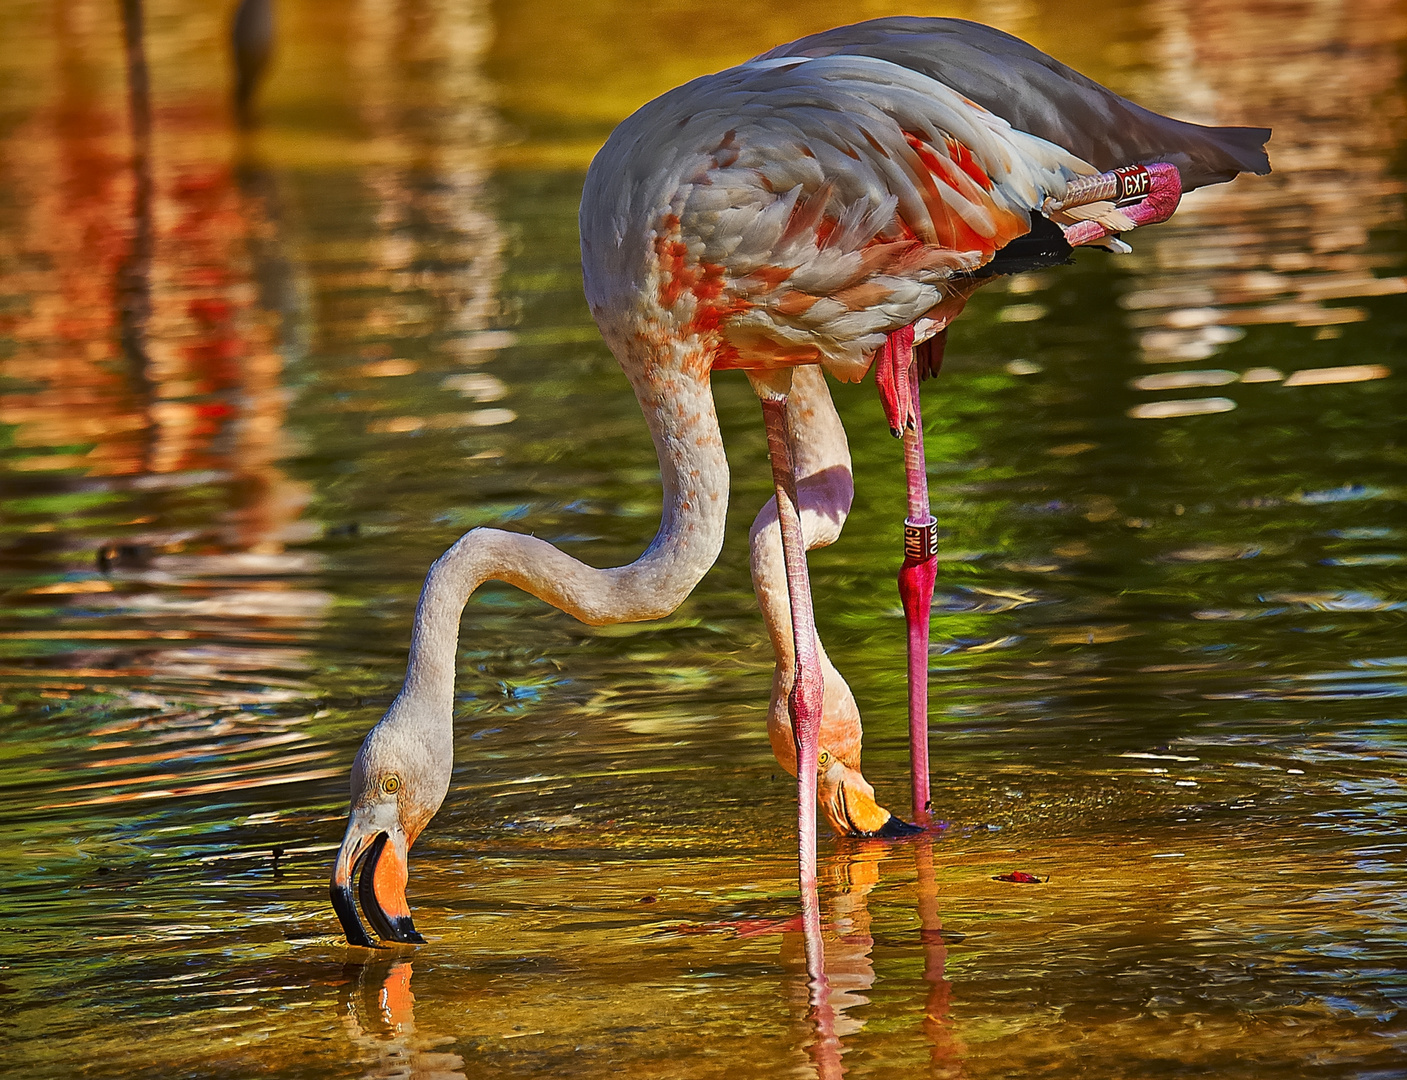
745, 157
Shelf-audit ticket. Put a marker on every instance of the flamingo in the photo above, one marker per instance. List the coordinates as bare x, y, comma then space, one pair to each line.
819, 210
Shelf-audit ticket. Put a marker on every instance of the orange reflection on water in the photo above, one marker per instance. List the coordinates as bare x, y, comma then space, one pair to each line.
828, 974
831, 963
141, 323
154, 304
378, 1014
70, 163
160, 294
1283, 248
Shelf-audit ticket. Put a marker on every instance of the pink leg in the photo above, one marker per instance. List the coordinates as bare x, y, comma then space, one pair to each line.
807, 690
896, 372
826, 1049
916, 577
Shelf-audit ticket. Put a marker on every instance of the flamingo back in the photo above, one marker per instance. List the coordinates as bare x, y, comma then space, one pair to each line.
796, 210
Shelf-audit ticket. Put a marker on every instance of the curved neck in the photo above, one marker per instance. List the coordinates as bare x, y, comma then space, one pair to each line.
680, 412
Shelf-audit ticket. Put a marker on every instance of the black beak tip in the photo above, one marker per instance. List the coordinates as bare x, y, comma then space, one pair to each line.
405, 931
898, 433
896, 828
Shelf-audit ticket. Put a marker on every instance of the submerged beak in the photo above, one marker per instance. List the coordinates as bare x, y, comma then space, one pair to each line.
378, 855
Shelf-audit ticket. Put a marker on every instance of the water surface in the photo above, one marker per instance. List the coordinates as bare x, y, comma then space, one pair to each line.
251, 386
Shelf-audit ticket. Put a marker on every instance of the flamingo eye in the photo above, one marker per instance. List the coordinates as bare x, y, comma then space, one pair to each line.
391, 784
824, 759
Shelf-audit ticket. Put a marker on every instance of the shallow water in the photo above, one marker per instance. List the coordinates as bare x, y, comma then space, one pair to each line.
240, 416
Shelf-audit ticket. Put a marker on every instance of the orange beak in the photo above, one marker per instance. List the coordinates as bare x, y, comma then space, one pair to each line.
378, 858
848, 802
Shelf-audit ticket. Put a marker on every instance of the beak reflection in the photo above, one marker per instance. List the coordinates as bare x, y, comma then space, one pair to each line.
377, 859
378, 1012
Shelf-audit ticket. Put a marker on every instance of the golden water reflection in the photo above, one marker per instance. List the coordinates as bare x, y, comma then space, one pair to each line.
165, 300
1291, 247
252, 382
378, 1013
825, 958
832, 966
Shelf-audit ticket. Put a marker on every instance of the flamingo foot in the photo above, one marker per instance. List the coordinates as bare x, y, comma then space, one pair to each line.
892, 375
1160, 188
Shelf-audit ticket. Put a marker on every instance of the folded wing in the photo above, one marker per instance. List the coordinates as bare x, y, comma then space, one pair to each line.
1042, 96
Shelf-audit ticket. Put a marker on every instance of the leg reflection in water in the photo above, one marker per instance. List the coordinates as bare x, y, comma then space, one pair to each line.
946, 1049
830, 966
378, 1011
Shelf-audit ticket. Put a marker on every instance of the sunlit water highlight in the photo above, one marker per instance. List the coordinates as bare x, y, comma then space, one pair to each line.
1168, 661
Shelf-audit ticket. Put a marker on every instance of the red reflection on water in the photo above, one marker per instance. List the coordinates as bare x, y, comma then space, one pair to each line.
70, 161
148, 289
143, 341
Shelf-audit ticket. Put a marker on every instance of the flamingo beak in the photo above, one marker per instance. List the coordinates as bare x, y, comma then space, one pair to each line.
378, 855
848, 802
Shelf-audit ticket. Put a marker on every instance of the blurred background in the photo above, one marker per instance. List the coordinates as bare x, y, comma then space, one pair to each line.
270, 341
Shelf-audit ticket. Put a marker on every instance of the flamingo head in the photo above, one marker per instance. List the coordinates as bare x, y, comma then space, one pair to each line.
847, 800
397, 785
